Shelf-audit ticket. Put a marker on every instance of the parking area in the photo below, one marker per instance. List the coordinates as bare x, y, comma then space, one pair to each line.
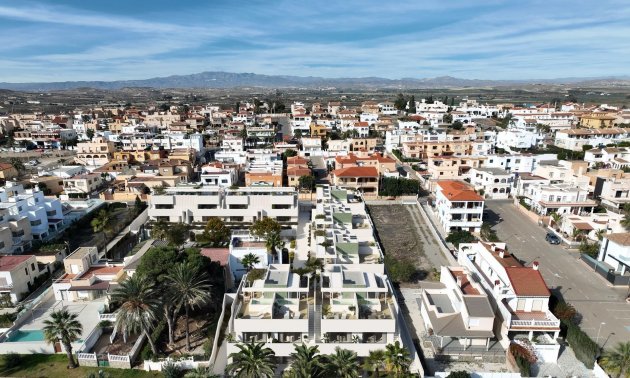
602, 306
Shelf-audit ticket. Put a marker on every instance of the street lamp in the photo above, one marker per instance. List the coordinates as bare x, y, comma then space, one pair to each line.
598, 331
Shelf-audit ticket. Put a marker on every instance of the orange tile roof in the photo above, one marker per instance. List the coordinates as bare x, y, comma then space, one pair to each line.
458, 191
356, 172
296, 160
527, 282
298, 171
8, 263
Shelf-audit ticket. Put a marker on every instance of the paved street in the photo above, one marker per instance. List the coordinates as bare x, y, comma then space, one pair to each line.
565, 274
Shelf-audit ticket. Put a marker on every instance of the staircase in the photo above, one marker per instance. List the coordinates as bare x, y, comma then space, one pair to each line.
314, 322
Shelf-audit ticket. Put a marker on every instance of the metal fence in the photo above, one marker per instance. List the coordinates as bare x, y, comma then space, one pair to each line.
605, 271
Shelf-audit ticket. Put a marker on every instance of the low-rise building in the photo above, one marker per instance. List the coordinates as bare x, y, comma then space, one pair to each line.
494, 183
459, 312
82, 185
362, 179
17, 277
614, 253
576, 139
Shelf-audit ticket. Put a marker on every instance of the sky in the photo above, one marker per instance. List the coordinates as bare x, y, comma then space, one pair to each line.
65, 40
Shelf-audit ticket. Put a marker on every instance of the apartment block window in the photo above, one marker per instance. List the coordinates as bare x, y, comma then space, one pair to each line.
238, 207
36, 222
163, 206
32, 267
280, 206
283, 219
26, 271
202, 206
1, 244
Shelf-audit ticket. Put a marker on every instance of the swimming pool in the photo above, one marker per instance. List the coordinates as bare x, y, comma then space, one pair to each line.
25, 335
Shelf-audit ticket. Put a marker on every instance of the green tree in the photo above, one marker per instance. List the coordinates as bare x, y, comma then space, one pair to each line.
177, 234
412, 105
249, 260
290, 153
89, 133
397, 359
447, 118
458, 237
253, 360
273, 242
63, 327
216, 232
307, 182
191, 287
159, 229
17, 164
625, 222
375, 362
343, 364
459, 374
457, 125
591, 249
139, 301
307, 363
400, 103
263, 227
618, 359
156, 262
102, 223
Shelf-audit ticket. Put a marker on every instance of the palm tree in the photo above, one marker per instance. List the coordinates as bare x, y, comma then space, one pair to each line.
306, 362
201, 372
396, 358
618, 359
192, 289
249, 260
140, 303
64, 327
273, 241
254, 360
557, 218
375, 362
625, 222
343, 364
159, 230
600, 234
102, 222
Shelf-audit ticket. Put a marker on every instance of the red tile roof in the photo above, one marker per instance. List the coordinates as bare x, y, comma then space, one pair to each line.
458, 191
8, 263
219, 255
356, 172
297, 171
527, 282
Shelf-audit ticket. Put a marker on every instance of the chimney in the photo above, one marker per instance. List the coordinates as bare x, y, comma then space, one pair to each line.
459, 281
502, 253
535, 265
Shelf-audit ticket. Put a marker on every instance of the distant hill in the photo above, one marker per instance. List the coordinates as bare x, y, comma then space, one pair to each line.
244, 80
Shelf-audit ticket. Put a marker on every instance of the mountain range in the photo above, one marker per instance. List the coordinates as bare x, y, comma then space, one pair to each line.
250, 80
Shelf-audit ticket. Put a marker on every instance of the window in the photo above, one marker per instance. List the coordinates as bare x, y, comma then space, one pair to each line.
36, 222
1, 244
280, 206
32, 267
163, 206
283, 219
202, 206
26, 271
238, 207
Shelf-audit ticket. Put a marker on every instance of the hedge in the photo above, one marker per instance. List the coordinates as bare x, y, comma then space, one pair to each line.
585, 349
147, 353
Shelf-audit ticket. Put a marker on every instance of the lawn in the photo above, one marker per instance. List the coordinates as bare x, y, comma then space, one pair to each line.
55, 366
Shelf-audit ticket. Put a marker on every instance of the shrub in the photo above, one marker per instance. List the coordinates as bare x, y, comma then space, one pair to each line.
255, 274
147, 353
521, 200
7, 319
585, 349
396, 186
170, 370
11, 360
399, 270
458, 237
589, 249
459, 374
320, 233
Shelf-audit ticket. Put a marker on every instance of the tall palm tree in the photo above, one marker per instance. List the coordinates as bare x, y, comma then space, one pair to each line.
64, 327
139, 305
254, 360
397, 359
375, 362
249, 260
343, 364
192, 289
618, 359
307, 363
272, 242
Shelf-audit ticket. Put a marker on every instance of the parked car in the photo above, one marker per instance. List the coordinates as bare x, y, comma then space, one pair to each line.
552, 238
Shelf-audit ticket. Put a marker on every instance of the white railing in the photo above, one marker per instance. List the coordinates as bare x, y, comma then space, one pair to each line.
86, 356
118, 358
535, 323
110, 317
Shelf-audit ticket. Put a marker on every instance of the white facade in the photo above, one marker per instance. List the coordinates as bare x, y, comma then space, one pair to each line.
575, 139
496, 183
237, 207
218, 176
457, 206
17, 276
615, 251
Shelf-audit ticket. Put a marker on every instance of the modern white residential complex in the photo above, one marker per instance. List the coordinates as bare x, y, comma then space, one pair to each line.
349, 304
237, 207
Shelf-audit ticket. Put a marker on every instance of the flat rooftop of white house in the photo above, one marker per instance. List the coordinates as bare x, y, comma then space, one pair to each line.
494, 171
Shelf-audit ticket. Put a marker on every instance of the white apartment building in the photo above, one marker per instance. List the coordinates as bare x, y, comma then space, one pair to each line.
612, 157
301, 122
96, 153
517, 292
496, 183
458, 206
615, 194
514, 138
237, 207
216, 174
459, 312
351, 305
17, 276
518, 163
26, 215
575, 139
387, 108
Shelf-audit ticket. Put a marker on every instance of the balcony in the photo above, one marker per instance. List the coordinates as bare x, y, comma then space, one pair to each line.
533, 320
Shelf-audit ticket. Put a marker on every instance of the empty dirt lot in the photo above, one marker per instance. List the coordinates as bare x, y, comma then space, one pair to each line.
404, 234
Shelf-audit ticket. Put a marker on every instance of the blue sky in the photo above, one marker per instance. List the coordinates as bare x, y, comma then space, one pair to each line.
109, 40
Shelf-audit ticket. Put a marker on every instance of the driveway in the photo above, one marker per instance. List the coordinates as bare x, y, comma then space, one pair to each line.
565, 274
